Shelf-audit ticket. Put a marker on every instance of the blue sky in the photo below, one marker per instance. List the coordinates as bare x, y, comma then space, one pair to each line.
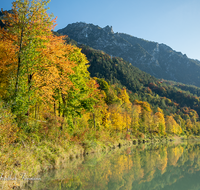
175, 23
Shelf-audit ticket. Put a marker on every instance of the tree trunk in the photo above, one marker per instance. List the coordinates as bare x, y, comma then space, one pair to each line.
19, 63
94, 121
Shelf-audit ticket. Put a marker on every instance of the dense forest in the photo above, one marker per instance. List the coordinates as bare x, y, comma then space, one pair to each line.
52, 94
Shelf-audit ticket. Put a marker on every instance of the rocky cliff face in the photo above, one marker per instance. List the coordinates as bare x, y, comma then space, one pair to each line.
156, 59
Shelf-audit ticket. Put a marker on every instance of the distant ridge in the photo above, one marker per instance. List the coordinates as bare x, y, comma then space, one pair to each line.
159, 60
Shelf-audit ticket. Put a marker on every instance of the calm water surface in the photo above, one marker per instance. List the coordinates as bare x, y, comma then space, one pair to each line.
166, 167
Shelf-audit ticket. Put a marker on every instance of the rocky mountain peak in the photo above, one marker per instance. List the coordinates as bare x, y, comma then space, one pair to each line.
108, 29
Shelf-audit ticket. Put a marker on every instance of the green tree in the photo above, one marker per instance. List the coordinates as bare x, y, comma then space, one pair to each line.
25, 28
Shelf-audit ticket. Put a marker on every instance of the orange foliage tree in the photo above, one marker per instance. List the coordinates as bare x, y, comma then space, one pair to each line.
33, 59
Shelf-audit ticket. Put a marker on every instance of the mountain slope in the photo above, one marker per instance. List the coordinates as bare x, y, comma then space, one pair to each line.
141, 85
159, 60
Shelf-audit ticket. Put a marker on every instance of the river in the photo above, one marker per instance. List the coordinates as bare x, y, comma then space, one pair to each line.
144, 167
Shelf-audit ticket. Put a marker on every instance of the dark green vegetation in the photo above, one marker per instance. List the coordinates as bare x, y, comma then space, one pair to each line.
190, 89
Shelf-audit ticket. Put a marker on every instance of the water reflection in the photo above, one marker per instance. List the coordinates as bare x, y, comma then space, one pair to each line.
136, 168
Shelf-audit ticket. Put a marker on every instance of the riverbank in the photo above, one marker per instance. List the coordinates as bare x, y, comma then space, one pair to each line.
125, 167
44, 156
49, 155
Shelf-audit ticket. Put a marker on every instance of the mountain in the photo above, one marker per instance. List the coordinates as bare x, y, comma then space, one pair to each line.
159, 60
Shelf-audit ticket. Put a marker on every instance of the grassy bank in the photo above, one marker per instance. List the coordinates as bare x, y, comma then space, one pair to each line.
34, 158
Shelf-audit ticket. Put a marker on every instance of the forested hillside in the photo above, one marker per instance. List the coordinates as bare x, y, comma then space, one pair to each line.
142, 86
171, 96
188, 88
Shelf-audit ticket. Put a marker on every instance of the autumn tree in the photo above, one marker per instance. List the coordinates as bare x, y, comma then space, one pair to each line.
126, 107
36, 61
171, 126
160, 123
72, 100
116, 117
135, 121
146, 116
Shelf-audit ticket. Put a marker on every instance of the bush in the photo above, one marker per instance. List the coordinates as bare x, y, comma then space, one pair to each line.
8, 126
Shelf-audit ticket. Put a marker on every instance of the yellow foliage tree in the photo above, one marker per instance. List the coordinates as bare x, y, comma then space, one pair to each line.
146, 116
126, 107
160, 122
116, 117
171, 126
135, 121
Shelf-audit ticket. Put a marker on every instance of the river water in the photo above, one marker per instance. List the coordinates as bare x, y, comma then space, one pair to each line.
152, 167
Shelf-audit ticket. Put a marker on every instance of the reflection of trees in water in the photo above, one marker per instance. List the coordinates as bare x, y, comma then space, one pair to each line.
151, 168
174, 154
